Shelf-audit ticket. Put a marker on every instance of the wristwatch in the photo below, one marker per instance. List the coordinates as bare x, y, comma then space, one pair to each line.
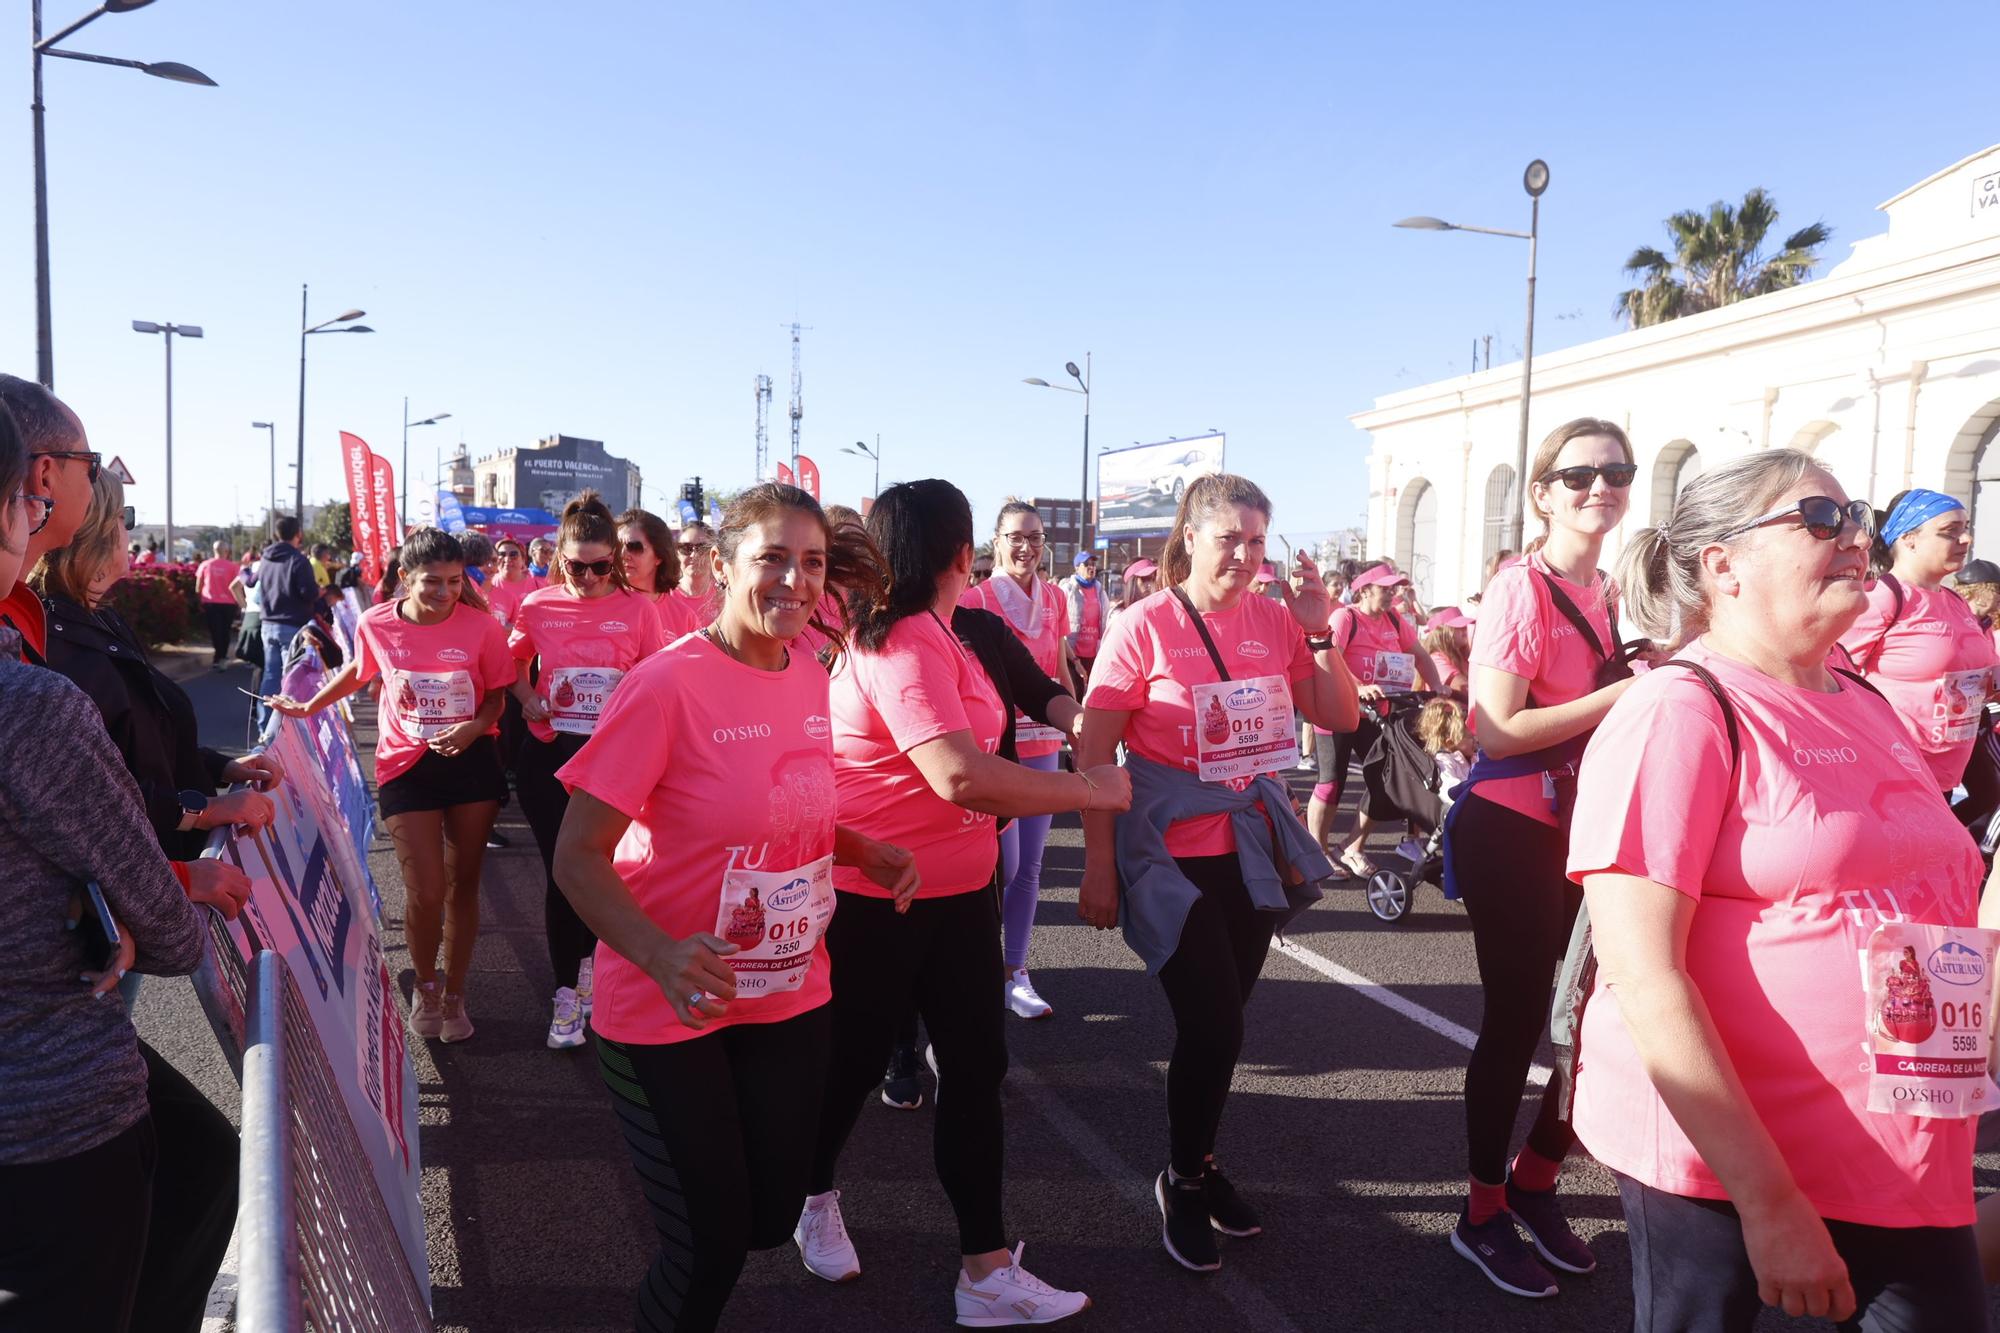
192, 804
1320, 643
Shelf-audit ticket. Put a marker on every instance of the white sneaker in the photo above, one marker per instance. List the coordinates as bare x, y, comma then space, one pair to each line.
427, 1015
586, 985
1013, 1295
822, 1239
937, 1079
1021, 997
566, 1028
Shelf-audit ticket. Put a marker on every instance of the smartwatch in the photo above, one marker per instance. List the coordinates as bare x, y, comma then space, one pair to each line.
1320, 643
192, 804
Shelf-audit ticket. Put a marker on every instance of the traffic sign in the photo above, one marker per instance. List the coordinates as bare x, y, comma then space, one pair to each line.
116, 467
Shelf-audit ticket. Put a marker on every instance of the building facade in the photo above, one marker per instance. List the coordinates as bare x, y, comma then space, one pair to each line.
1887, 369
1062, 520
550, 473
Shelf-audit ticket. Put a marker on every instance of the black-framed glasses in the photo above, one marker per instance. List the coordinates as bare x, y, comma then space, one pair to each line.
1823, 516
1617, 476
1033, 541
578, 568
637, 547
39, 506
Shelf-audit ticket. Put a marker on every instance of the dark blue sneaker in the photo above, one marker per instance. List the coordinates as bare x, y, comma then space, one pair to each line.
1541, 1216
1496, 1249
900, 1086
1227, 1212
1185, 1227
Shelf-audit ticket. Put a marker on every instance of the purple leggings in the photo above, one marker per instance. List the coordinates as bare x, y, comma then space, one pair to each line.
1021, 870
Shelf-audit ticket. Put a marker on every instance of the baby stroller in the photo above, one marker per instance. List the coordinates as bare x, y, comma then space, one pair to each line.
1402, 780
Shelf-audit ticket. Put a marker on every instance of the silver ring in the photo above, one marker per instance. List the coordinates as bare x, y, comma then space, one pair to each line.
697, 998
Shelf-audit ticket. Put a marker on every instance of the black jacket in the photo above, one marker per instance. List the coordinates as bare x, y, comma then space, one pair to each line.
150, 718
289, 590
1011, 667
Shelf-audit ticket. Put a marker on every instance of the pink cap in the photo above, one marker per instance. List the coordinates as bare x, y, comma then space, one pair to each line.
1448, 618
1141, 569
1380, 576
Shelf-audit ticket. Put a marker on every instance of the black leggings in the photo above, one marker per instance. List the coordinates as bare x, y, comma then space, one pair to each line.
126, 1235
543, 801
1336, 752
941, 959
1691, 1274
1208, 981
1521, 905
720, 1131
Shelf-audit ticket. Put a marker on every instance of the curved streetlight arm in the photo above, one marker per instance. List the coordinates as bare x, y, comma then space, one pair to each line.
42, 47
1060, 388
1439, 224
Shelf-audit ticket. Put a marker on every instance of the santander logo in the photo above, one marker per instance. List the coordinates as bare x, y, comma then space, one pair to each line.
453, 655
818, 727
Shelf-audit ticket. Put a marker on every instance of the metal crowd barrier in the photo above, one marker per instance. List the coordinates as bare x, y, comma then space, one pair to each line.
317, 1247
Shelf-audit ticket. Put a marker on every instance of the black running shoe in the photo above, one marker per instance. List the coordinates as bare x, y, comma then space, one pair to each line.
1541, 1216
901, 1087
1227, 1212
1498, 1251
1184, 1224
497, 839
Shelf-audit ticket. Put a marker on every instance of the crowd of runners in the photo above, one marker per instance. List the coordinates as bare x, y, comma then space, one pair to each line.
792, 778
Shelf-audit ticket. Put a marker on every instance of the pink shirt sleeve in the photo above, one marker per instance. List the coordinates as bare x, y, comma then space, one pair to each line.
652, 629
1118, 676
495, 662
1654, 785
1513, 635
519, 644
367, 656
1863, 641
629, 753
914, 688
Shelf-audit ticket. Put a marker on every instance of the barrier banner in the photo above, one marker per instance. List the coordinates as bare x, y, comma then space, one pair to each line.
338, 764
310, 903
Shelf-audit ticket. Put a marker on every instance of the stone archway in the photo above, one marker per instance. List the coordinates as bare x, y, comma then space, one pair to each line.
1678, 463
1416, 535
1972, 473
1502, 503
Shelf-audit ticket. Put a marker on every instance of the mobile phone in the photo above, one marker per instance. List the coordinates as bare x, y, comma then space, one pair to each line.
99, 930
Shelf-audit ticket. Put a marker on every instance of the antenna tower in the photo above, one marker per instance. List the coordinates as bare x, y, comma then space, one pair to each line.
763, 433
798, 402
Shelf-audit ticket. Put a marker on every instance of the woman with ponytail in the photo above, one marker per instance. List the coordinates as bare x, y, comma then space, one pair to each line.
916, 726
1199, 681
653, 568
576, 639
1917, 641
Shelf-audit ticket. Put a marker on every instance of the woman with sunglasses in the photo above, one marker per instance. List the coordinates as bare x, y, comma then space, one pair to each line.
1547, 626
1780, 907
577, 638
1038, 613
697, 599
507, 589
1917, 641
653, 568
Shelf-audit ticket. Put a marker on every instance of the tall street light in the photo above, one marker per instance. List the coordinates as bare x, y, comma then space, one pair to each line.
168, 331
1534, 180
270, 430
1082, 377
861, 450
341, 323
403, 501
39, 46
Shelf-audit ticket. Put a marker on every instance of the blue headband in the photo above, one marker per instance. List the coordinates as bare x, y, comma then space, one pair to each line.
1913, 511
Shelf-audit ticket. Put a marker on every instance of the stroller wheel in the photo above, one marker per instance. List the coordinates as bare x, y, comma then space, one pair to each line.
1388, 895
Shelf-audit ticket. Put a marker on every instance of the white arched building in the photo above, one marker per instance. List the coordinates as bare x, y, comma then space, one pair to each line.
1888, 368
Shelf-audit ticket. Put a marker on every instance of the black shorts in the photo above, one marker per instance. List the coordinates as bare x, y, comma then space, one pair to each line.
438, 782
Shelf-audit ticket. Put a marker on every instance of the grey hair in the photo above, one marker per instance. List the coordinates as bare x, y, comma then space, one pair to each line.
1659, 574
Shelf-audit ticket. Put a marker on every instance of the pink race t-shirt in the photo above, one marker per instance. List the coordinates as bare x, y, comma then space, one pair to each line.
1149, 663
584, 646
687, 742
1452, 678
433, 677
1831, 826
1934, 662
1379, 650
922, 685
213, 577
1522, 633
676, 616
1041, 622
503, 598
698, 612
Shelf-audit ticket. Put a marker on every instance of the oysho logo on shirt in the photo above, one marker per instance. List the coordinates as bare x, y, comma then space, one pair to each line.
1251, 648
453, 655
818, 727
756, 731
1806, 756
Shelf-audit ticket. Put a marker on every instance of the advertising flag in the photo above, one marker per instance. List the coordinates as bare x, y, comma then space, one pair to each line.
388, 524
808, 476
785, 474
359, 465
450, 515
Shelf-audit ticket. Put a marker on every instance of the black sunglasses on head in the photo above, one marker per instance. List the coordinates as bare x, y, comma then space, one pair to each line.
578, 568
1616, 475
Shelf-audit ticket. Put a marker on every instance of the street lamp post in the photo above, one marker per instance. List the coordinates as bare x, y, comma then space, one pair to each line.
341, 323
1082, 378
270, 430
39, 46
1534, 180
403, 502
168, 331
862, 450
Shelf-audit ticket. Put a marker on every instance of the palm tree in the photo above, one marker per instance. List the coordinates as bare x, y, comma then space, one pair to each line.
1717, 260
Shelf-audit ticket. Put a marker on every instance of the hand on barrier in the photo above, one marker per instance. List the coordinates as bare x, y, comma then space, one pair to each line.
895, 869
284, 703
242, 809
453, 740
693, 977
260, 770
219, 885
1798, 1269
1110, 788
1370, 694
1097, 903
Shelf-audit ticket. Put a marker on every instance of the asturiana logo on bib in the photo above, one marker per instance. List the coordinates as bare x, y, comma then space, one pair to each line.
787, 897
1252, 648
818, 727
1805, 756
1956, 964
614, 627
453, 655
1247, 698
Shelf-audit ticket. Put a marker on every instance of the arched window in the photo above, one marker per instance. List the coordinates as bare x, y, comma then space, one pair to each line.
1501, 506
1416, 535
1678, 464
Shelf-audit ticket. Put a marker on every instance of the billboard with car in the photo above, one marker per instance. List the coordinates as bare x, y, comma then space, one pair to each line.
1139, 488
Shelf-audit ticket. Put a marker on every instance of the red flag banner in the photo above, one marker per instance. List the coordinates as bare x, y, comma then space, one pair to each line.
809, 476
785, 474
388, 529
359, 464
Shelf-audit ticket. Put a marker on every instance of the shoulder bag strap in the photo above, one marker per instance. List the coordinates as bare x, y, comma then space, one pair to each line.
1207, 641
1576, 617
1707, 678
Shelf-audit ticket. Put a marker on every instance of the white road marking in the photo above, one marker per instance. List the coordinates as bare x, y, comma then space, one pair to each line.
1538, 1074
220, 1313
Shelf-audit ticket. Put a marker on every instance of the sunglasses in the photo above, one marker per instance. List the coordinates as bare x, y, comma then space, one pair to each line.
578, 568
1616, 475
510, 553
95, 460
637, 548
692, 548
1823, 517
41, 505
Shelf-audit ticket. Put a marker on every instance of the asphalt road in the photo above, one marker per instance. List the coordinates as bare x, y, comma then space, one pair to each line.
1345, 1127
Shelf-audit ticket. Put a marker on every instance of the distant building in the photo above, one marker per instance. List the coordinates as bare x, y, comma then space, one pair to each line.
1063, 522
550, 473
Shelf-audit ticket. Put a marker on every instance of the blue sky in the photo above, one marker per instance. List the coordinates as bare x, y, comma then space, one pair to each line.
595, 219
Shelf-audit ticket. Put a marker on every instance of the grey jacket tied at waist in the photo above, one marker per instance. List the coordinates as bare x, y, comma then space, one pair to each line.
1154, 896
